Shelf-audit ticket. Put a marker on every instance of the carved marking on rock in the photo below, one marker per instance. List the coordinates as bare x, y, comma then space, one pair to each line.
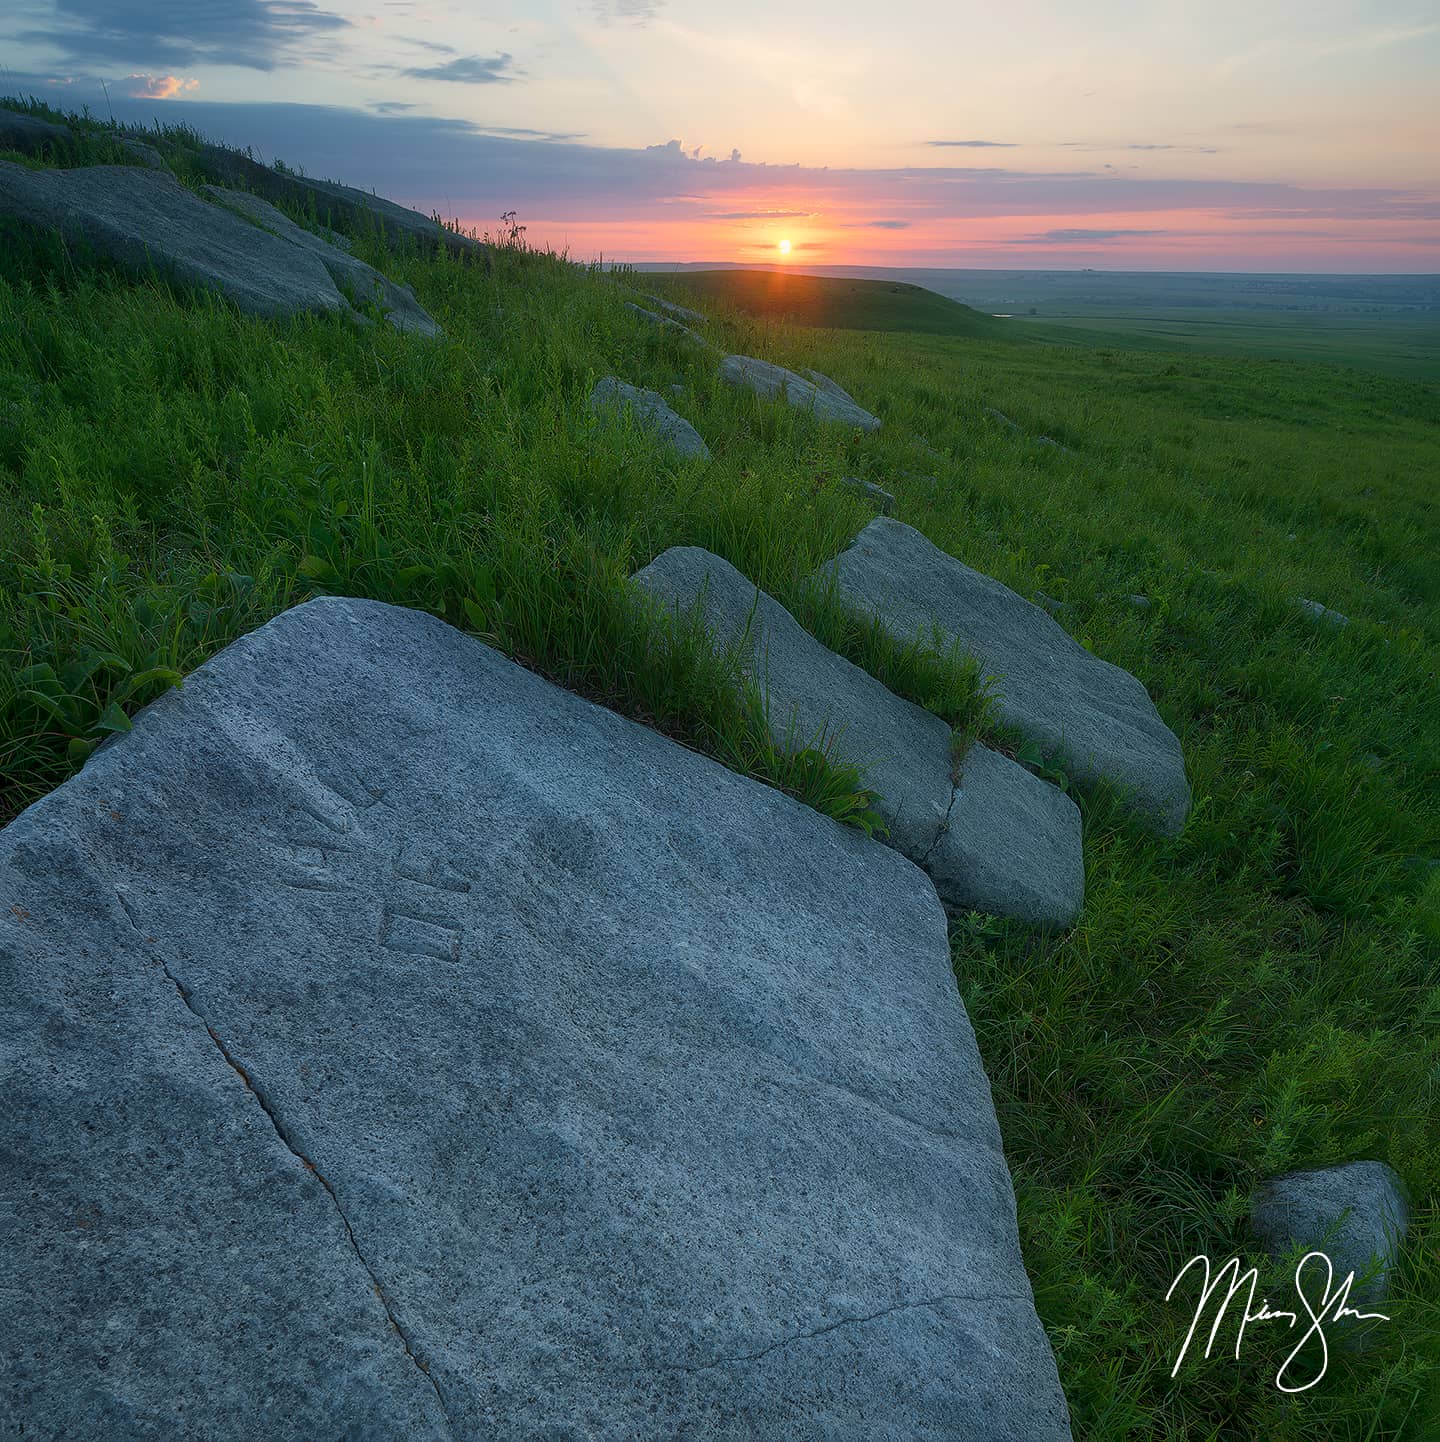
419, 933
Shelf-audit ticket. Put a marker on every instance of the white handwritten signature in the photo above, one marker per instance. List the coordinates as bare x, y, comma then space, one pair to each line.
1334, 1306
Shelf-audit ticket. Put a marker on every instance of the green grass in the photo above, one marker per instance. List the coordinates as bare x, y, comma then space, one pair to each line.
811, 300
1399, 345
1262, 993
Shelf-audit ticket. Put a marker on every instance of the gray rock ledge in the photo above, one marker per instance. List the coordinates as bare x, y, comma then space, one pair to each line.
1005, 841
1099, 718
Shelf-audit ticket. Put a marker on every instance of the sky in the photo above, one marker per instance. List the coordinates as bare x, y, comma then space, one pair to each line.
1119, 134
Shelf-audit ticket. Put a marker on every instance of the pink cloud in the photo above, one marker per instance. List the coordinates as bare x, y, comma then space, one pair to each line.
159, 87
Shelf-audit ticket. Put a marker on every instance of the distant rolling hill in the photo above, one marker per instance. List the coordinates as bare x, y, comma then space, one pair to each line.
834, 302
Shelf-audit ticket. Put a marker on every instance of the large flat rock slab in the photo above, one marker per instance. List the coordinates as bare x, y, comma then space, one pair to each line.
648, 411
1003, 841
1096, 716
395, 1045
356, 280
825, 399
146, 221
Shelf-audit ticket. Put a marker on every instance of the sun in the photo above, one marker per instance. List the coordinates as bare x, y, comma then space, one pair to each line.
784, 247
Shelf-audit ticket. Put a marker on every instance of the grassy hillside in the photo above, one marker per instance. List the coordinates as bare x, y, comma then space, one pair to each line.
1259, 994
813, 300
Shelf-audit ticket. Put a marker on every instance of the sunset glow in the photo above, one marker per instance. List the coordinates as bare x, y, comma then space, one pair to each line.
1293, 137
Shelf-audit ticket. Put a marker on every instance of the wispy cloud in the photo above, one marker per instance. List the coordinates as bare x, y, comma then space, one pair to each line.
468, 70
1082, 236
973, 144
632, 12
1090, 145
759, 215
520, 132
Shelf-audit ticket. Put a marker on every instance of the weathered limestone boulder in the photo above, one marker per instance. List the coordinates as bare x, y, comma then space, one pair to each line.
675, 312
334, 204
395, 1045
1004, 841
1355, 1214
882, 500
1317, 612
772, 381
356, 280
651, 414
1095, 716
29, 134
664, 323
144, 221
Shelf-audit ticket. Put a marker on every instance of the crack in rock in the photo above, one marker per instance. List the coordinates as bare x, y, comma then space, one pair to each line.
944, 825
187, 1000
835, 1326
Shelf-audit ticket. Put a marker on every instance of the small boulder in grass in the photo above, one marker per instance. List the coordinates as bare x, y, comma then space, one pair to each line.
649, 411
827, 403
819, 378
1356, 1215
1317, 612
147, 155
663, 322
675, 312
1094, 715
880, 498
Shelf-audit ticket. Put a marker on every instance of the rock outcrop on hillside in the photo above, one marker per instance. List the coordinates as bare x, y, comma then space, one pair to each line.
29, 134
340, 206
1002, 841
1098, 718
395, 1045
664, 322
360, 283
826, 401
147, 223
648, 410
